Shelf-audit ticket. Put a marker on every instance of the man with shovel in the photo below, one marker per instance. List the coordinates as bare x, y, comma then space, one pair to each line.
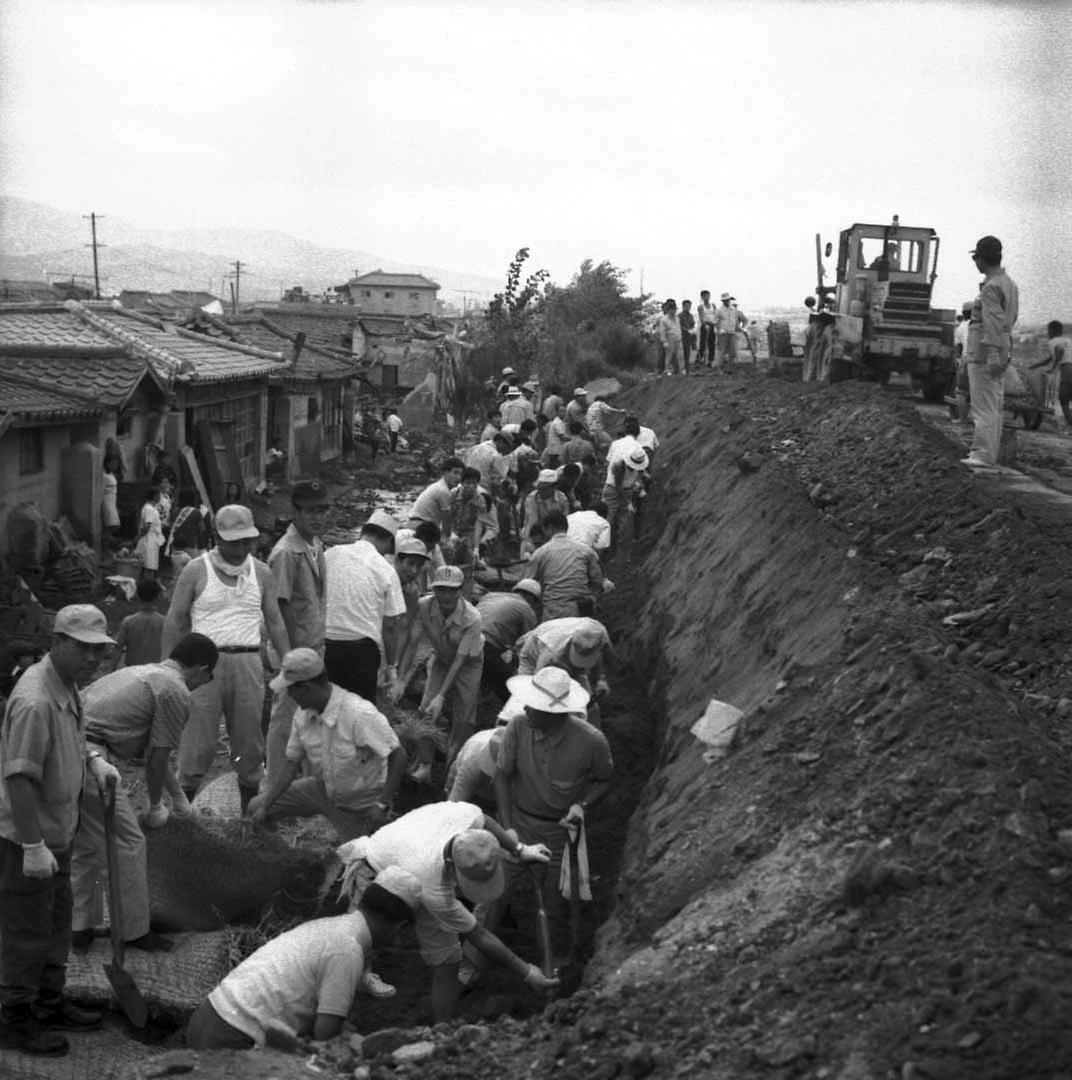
43, 760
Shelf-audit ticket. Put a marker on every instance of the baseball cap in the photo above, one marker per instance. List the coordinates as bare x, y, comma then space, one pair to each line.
580, 392
84, 623
529, 585
298, 666
637, 458
448, 577
477, 865
508, 371
988, 247
586, 644
547, 476
400, 883
235, 522
380, 519
411, 546
550, 690
309, 491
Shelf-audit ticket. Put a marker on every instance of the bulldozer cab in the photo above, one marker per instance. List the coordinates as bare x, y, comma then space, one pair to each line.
869, 253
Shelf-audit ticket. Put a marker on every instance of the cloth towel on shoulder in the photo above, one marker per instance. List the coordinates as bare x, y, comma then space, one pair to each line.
583, 876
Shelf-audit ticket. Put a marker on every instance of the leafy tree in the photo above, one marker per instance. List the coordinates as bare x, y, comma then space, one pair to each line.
515, 316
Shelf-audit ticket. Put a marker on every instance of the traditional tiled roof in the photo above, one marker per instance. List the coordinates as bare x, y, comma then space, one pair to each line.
27, 400
327, 326
178, 301
107, 376
383, 278
48, 324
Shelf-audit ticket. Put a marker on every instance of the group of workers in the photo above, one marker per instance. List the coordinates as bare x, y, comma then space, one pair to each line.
345, 630
712, 330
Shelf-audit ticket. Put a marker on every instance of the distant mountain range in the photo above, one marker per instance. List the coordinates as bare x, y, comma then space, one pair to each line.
39, 242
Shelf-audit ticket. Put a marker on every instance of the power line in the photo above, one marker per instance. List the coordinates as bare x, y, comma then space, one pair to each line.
236, 285
96, 271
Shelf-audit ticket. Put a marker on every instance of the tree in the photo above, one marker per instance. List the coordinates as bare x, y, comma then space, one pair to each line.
515, 316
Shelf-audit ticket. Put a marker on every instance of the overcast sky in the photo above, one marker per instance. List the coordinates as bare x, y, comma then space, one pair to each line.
703, 142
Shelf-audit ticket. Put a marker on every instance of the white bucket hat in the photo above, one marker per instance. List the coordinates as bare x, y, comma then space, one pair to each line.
550, 690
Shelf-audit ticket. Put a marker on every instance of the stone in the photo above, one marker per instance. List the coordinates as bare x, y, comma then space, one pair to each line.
362, 1072
412, 1053
973, 1038
385, 1041
173, 1063
637, 1060
357, 1043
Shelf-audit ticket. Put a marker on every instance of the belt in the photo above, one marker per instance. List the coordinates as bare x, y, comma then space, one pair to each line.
238, 648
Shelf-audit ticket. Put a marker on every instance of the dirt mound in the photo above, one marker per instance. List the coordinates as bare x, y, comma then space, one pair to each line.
876, 881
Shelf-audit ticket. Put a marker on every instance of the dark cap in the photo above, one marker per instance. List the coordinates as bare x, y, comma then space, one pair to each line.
308, 491
989, 248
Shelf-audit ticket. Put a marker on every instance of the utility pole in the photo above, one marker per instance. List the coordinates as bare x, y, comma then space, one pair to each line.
96, 271
236, 285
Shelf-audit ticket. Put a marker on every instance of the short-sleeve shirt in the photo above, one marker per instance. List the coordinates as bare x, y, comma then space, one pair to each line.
347, 745
314, 968
43, 738
566, 570
140, 637
1061, 343
433, 504
137, 709
362, 589
648, 439
492, 466
416, 842
457, 634
298, 569
548, 773
504, 617
474, 768
549, 643
588, 527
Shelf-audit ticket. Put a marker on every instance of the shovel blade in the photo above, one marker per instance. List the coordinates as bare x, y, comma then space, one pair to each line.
130, 999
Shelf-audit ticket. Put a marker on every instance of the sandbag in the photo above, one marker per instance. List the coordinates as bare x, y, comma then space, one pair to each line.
205, 871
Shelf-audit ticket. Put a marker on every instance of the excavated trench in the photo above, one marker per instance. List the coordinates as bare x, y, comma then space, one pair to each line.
872, 881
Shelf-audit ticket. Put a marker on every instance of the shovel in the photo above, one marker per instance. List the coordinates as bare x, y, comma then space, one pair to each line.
126, 990
547, 955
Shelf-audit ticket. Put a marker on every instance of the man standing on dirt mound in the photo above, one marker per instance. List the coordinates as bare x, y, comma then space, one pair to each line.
225, 594
993, 316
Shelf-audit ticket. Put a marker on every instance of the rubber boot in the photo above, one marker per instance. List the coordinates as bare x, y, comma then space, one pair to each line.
245, 793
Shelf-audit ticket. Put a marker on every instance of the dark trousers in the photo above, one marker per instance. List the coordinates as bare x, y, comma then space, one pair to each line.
353, 665
207, 1030
393, 436
707, 344
1064, 391
686, 348
496, 671
35, 929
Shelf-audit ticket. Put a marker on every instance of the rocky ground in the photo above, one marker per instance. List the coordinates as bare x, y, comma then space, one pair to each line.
876, 881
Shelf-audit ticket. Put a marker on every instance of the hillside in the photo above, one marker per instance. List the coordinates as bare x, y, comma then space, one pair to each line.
38, 241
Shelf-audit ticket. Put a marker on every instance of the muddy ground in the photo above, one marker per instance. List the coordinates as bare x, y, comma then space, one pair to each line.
877, 880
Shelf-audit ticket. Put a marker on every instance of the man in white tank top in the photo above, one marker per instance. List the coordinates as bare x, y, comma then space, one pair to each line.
224, 594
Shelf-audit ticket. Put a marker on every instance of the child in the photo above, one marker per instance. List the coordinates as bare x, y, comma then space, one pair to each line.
150, 535
138, 640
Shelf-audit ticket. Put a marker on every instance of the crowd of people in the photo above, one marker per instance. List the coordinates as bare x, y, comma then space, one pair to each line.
509, 705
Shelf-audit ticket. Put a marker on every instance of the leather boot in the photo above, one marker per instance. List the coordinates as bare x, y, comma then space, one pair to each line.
245, 793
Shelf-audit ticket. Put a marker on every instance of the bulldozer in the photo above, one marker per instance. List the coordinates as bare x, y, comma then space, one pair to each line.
879, 310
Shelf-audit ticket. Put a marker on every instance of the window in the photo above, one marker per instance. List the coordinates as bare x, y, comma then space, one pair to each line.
415, 296
313, 410
31, 451
389, 379
368, 293
904, 255
388, 296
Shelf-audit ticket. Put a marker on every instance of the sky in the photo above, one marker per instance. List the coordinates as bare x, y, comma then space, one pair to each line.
698, 145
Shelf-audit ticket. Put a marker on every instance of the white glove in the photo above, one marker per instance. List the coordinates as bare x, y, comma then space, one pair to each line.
38, 861
352, 849
534, 853
574, 817
102, 771
156, 816
507, 656
608, 586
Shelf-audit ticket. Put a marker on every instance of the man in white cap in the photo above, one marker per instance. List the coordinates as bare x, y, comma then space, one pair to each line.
590, 527
577, 409
364, 608
43, 760
225, 594
577, 645
303, 982
567, 572
544, 500
451, 625
504, 618
509, 378
451, 848
553, 768
624, 482
728, 321
135, 712
515, 409
356, 758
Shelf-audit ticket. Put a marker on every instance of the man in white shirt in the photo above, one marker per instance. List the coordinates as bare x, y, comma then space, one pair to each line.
727, 322
648, 440
394, 428
450, 848
433, 503
492, 460
364, 602
705, 316
516, 409
303, 982
357, 760
1061, 353
590, 527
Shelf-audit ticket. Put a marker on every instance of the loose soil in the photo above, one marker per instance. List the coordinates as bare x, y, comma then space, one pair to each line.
875, 882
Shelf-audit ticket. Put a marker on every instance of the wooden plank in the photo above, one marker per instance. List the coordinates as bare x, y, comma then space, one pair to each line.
187, 455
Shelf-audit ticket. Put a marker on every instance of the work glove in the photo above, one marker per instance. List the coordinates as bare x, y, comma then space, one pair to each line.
535, 979
534, 853
38, 861
156, 816
435, 708
102, 770
601, 689
180, 804
575, 816
608, 586
507, 656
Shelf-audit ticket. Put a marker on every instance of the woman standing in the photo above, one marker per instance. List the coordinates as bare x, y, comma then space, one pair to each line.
110, 499
150, 535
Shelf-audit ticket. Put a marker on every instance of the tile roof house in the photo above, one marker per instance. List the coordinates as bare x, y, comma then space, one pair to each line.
331, 327
155, 384
383, 293
175, 303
